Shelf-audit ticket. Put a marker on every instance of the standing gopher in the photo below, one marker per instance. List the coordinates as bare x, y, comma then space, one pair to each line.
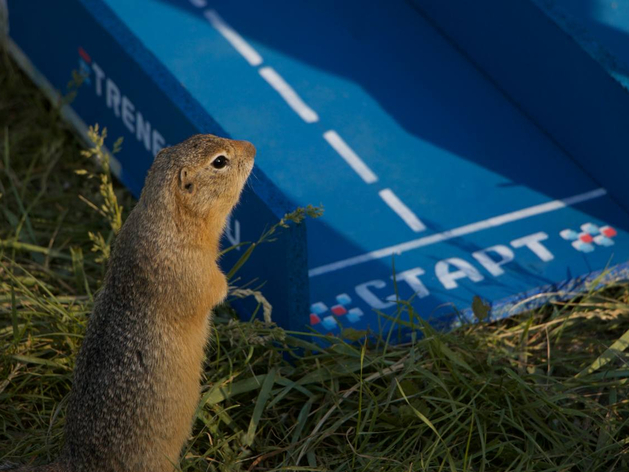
136, 382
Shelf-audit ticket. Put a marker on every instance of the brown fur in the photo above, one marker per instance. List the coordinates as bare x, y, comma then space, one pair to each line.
136, 383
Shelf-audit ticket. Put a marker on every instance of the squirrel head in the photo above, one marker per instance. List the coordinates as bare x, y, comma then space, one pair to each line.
205, 173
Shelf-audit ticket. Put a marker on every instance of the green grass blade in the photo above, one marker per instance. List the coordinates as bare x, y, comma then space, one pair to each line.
610, 354
263, 397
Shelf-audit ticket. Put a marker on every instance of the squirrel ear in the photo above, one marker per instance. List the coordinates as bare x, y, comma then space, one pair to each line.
185, 181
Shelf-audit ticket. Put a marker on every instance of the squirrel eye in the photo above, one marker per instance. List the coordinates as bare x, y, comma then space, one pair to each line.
220, 162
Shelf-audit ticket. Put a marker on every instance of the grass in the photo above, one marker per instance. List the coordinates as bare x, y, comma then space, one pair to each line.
544, 391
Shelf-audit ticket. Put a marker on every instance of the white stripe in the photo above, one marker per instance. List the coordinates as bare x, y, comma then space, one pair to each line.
234, 38
460, 231
402, 210
350, 156
276, 81
199, 3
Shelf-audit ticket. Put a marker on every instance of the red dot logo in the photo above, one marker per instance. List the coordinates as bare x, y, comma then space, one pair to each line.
83, 53
590, 237
329, 318
586, 238
608, 231
338, 310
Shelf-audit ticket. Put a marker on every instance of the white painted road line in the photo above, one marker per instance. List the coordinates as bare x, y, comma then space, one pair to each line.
460, 231
276, 81
350, 156
242, 46
402, 210
199, 3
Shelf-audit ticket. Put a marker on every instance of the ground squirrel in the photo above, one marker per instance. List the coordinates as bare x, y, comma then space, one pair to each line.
136, 382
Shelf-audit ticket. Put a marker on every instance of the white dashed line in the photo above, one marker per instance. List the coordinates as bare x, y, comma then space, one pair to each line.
199, 3
460, 231
350, 156
402, 210
242, 46
309, 116
276, 81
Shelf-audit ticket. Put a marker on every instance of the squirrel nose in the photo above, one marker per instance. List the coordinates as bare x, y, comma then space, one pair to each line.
246, 148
